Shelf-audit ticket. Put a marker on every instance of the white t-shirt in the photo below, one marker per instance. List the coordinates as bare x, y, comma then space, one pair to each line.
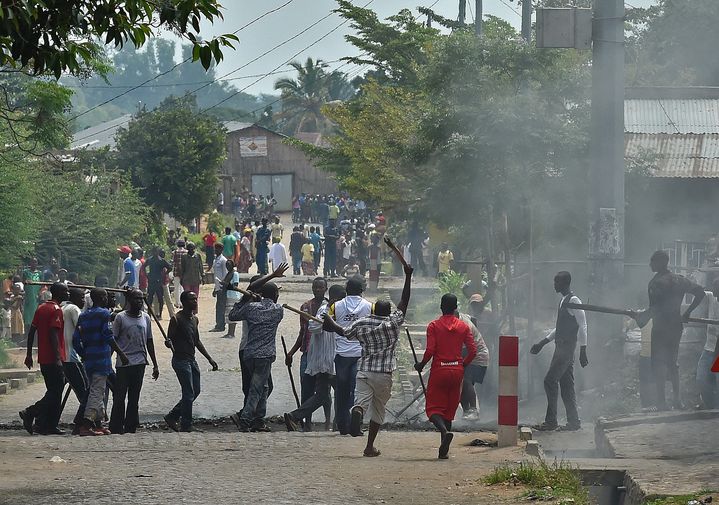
278, 255
70, 315
347, 311
234, 296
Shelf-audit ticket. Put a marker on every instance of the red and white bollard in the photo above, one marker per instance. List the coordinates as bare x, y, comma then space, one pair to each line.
507, 404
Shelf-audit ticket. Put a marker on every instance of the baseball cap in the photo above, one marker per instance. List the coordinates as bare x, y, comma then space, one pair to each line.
124, 249
477, 298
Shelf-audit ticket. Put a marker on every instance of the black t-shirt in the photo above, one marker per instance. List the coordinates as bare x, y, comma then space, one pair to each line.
184, 335
154, 267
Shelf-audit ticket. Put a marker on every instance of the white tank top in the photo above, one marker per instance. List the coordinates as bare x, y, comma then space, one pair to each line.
347, 311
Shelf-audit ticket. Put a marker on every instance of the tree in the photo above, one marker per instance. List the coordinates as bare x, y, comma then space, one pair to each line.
303, 98
174, 155
56, 36
672, 44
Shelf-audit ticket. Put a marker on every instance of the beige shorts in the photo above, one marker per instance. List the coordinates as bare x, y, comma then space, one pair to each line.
372, 393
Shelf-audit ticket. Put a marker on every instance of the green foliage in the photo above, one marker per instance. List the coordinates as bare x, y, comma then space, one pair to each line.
562, 478
452, 282
18, 222
672, 43
174, 155
56, 36
131, 67
5, 360
87, 218
217, 222
303, 98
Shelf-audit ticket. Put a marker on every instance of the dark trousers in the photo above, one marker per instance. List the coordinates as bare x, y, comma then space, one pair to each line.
317, 257
156, 290
256, 400
128, 384
308, 388
319, 398
247, 379
665, 367
330, 262
220, 304
296, 263
561, 376
209, 255
47, 410
647, 390
346, 370
188, 374
77, 378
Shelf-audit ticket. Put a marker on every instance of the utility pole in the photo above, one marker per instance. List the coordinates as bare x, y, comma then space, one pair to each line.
478, 18
606, 173
462, 12
527, 20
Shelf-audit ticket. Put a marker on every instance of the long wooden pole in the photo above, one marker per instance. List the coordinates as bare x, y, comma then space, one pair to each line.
302, 313
289, 370
623, 312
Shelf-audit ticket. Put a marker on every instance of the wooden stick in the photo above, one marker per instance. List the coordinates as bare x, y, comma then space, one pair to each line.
292, 378
78, 286
622, 312
416, 361
302, 313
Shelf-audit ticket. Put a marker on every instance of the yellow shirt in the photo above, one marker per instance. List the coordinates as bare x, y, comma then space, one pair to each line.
444, 258
276, 230
308, 253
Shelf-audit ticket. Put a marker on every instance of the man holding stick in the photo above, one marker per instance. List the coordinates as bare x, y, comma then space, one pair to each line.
49, 324
571, 329
666, 292
311, 306
263, 316
319, 367
378, 334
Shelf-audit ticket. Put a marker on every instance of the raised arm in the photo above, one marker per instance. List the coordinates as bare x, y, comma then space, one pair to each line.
257, 285
404, 300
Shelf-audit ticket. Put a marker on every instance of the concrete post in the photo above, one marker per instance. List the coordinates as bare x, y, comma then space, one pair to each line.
507, 402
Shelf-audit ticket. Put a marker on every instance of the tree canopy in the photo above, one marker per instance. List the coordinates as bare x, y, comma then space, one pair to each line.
174, 155
56, 36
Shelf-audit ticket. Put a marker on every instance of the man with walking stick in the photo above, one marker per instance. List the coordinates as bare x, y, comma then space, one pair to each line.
378, 334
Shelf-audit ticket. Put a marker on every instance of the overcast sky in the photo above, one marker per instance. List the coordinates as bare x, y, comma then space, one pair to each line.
299, 15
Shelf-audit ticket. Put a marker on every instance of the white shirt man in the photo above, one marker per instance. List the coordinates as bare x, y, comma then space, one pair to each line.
277, 254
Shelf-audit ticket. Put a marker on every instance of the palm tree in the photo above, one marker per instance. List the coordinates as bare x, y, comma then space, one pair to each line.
303, 98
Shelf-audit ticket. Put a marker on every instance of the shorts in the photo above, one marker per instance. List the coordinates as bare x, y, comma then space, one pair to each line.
372, 393
475, 373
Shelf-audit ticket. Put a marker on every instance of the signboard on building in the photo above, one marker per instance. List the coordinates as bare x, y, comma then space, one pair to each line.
251, 147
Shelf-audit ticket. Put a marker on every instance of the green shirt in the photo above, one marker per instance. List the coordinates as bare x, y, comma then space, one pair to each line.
229, 242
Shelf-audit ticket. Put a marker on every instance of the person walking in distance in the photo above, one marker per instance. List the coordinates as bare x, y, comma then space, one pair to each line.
192, 270
218, 291
133, 334
185, 338
49, 325
571, 329
297, 240
262, 238
177, 256
446, 337
351, 308
155, 278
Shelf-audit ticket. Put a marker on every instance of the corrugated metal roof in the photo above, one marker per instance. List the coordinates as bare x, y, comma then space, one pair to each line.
233, 126
671, 116
689, 155
100, 135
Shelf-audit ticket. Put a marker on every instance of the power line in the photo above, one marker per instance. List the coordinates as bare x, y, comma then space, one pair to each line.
512, 8
194, 83
286, 62
174, 100
177, 64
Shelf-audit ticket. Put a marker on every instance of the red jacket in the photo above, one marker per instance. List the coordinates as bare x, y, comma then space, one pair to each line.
445, 338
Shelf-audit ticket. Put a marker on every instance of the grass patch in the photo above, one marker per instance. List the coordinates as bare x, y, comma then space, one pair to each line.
680, 500
546, 481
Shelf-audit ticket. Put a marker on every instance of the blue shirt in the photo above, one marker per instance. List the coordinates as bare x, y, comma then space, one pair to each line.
316, 240
92, 339
129, 266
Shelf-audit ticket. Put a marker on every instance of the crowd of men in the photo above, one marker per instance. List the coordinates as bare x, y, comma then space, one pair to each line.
347, 343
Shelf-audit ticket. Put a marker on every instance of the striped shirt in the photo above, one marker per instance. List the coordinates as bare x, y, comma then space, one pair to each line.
92, 340
378, 336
